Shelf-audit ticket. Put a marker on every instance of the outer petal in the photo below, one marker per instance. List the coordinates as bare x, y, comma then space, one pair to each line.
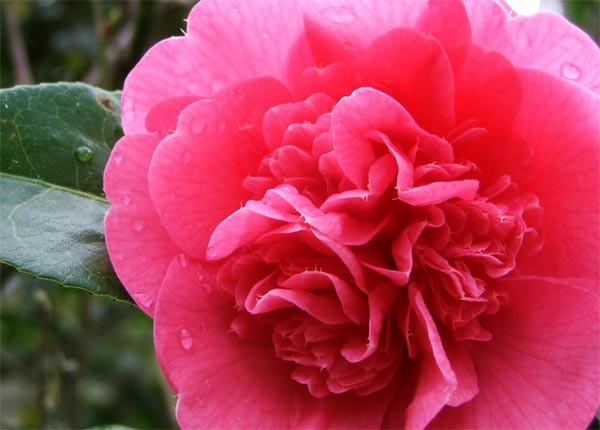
541, 368
352, 25
196, 174
265, 36
139, 247
223, 381
545, 42
565, 139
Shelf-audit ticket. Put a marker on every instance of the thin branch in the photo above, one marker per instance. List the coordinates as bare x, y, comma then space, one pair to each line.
18, 50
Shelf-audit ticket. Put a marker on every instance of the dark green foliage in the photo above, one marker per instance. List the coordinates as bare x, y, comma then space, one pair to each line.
61, 134
55, 141
586, 14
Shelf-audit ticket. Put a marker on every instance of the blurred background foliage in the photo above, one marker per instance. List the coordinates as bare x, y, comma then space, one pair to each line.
68, 359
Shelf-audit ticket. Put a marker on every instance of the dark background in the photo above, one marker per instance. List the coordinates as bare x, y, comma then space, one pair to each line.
68, 359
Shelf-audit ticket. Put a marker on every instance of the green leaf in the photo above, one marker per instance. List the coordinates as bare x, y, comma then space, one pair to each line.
55, 140
59, 133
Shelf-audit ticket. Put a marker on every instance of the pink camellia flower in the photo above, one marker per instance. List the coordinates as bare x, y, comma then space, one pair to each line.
365, 214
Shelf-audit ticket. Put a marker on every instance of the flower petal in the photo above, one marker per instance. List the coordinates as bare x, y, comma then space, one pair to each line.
438, 192
222, 34
541, 368
366, 110
488, 90
139, 248
566, 176
415, 70
196, 174
223, 381
544, 41
437, 380
337, 27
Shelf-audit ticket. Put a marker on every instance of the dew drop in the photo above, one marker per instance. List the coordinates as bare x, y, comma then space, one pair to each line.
183, 261
199, 275
118, 159
119, 257
138, 225
238, 92
145, 300
185, 339
84, 153
570, 71
125, 199
342, 15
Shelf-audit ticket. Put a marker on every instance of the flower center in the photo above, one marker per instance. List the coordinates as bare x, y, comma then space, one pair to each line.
323, 268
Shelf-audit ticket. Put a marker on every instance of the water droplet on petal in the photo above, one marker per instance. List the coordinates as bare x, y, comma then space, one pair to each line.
145, 300
183, 261
84, 153
118, 159
185, 339
125, 199
342, 15
570, 71
138, 225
